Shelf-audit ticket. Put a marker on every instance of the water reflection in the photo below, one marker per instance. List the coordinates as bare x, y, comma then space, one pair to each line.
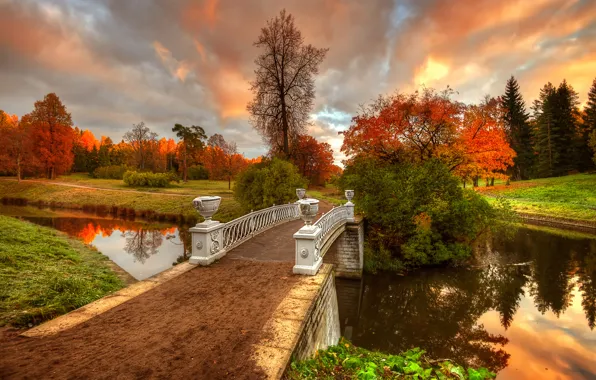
528, 311
141, 248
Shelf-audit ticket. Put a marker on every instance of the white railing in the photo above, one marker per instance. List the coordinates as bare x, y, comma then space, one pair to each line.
327, 223
241, 229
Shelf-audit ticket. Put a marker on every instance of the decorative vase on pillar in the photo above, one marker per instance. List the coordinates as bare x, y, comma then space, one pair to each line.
309, 208
300, 193
207, 206
349, 195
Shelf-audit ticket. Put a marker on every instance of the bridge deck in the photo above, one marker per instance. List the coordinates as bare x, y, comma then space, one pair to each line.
203, 324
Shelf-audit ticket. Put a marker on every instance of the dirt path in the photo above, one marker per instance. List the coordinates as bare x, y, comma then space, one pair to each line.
201, 325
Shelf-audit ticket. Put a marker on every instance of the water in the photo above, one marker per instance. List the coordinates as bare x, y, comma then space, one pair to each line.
527, 312
141, 248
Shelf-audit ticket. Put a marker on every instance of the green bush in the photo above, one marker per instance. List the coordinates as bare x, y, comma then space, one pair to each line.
110, 172
419, 212
267, 183
197, 172
136, 179
345, 361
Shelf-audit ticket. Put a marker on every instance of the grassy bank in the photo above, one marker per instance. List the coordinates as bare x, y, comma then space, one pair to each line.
44, 273
345, 361
115, 201
572, 197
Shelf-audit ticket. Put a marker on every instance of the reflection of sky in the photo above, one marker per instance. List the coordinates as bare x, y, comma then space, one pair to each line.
113, 247
544, 346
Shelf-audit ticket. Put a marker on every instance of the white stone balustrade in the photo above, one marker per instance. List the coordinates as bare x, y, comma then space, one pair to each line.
211, 240
311, 239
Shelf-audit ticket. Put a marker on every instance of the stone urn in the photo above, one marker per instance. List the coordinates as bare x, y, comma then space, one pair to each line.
349, 195
207, 206
300, 193
309, 209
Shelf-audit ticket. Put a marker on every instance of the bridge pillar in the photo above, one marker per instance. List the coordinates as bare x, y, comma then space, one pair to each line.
308, 260
347, 253
207, 243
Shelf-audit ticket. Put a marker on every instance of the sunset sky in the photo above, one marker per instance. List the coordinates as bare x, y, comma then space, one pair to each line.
115, 63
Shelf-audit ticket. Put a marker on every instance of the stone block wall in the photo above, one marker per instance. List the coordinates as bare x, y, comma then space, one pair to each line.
347, 253
321, 325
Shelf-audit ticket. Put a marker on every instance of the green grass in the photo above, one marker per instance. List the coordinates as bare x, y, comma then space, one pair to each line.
345, 361
44, 273
193, 187
72, 197
571, 197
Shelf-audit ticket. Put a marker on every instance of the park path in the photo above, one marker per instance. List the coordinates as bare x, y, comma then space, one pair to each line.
202, 324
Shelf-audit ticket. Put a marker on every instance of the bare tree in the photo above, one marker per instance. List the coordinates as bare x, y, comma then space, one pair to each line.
284, 85
140, 138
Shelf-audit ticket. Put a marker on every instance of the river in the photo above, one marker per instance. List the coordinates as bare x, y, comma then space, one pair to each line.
527, 311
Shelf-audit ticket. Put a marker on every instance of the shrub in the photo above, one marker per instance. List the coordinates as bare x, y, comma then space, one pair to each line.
267, 183
110, 172
132, 178
419, 212
197, 172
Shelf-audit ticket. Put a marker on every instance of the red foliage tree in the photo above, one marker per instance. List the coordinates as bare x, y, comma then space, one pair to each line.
313, 159
15, 155
53, 135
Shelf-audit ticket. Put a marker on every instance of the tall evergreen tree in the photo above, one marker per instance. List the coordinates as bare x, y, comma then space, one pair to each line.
567, 118
589, 125
518, 129
545, 132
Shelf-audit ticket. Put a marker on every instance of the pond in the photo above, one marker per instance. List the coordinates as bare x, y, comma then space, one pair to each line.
139, 247
528, 311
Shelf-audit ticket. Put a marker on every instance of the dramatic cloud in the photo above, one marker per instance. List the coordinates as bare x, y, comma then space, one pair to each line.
115, 62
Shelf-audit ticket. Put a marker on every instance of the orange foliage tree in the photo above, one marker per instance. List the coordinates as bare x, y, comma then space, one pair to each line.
51, 130
469, 140
15, 155
313, 159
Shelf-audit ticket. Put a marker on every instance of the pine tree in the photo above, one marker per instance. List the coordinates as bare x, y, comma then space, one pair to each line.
518, 129
589, 125
567, 118
545, 132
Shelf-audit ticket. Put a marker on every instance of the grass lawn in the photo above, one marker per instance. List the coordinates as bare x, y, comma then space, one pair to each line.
44, 273
571, 197
193, 187
161, 203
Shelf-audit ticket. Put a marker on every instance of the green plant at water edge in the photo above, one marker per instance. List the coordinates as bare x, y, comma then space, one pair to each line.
44, 273
345, 361
267, 183
419, 213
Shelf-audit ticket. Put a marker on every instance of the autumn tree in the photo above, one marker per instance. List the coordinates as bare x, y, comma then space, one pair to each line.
313, 159
51, 130
15, 155
222, 159
140, 139
284, 85
406, 127
518, 129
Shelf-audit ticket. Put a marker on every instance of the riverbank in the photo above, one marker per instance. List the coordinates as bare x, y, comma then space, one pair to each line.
160, 206
45, 273
560, 199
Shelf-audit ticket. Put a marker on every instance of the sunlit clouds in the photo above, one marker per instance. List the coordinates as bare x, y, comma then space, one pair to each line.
114, 63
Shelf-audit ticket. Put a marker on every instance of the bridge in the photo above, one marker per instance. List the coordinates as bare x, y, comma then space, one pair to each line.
211, 240
234, 311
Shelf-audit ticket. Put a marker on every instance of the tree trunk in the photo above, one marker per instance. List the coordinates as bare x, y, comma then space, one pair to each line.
464, 183
19, 168
492, 181
475, 181
53, 173
185, 169
229, 182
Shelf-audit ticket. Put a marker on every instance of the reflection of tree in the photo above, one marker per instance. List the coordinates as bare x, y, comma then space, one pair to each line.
436, 310
143, 243
587, 284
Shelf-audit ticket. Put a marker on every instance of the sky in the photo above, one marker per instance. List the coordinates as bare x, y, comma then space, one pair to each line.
114, 63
